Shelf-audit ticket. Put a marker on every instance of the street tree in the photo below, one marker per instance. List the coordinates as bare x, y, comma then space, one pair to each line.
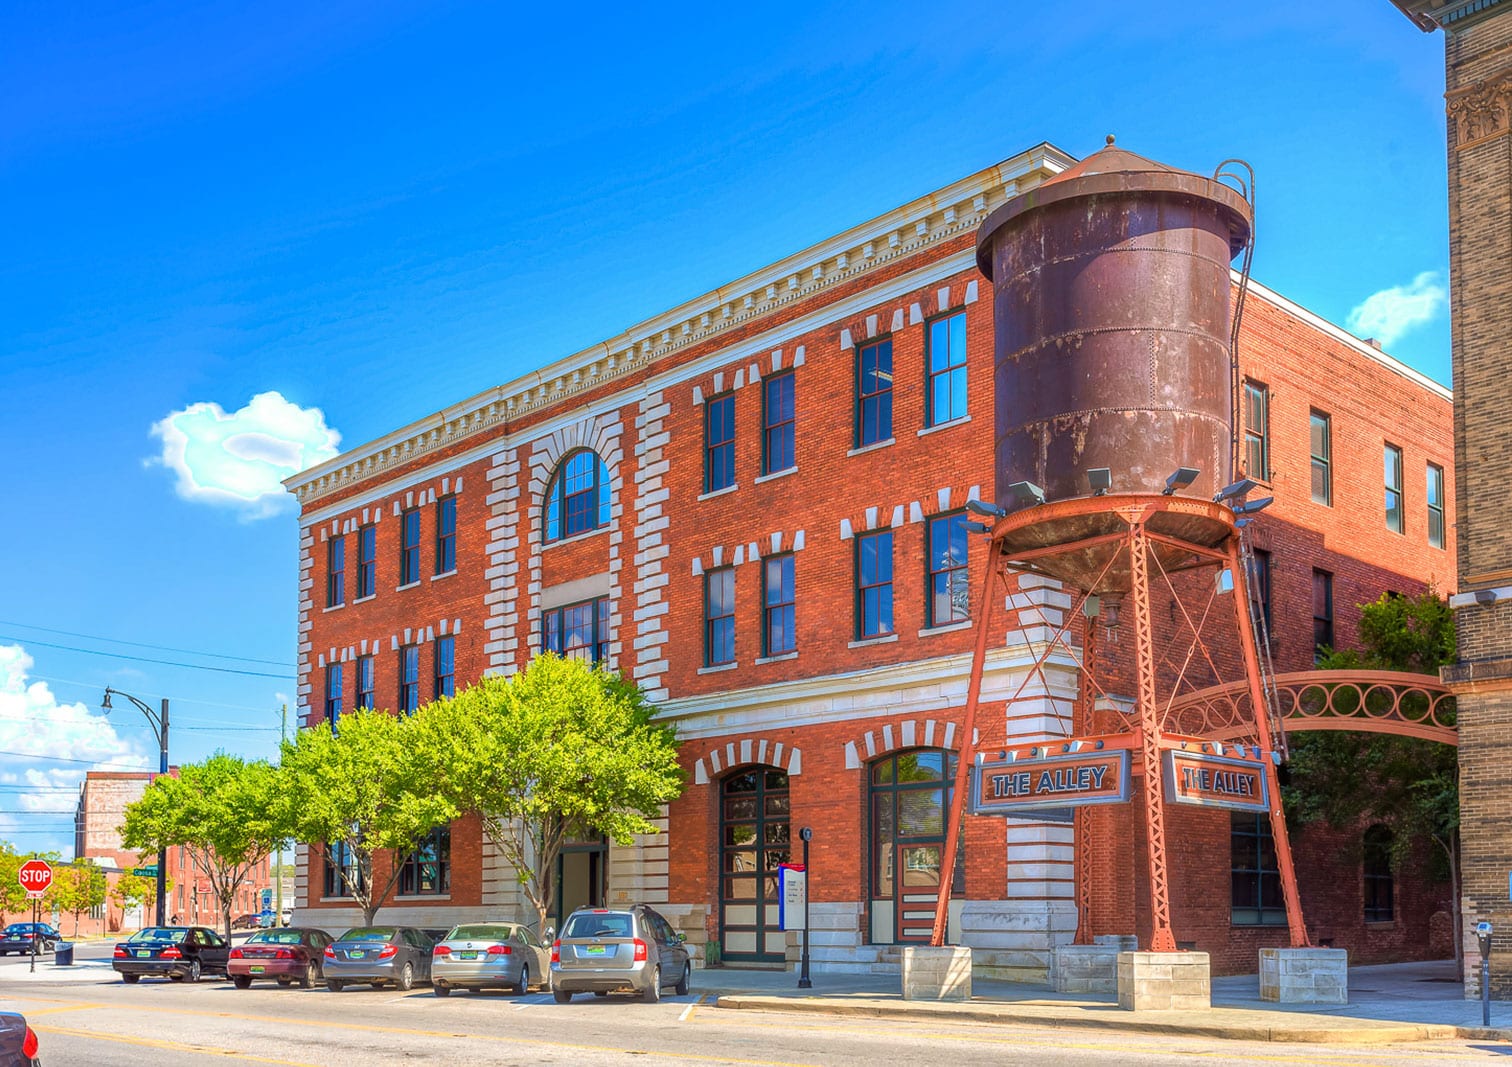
560, 749
365, 786
135, 890
225, 813
78, 887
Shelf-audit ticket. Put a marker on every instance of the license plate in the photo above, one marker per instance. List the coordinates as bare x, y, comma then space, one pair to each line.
357, 955
467, 955
596, 950
143, 954
257, 970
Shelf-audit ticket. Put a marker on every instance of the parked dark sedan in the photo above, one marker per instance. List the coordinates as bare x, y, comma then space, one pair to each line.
378, 955
247, 921
18, 1042
289, 955
174, 952
29, 938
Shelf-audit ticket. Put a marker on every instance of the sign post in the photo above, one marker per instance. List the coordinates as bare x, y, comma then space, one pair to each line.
35, 877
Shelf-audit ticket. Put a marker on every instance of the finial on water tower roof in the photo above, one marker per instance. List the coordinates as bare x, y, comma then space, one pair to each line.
1110, 138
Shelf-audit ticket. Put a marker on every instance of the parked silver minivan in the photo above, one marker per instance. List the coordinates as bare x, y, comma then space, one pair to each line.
603, 950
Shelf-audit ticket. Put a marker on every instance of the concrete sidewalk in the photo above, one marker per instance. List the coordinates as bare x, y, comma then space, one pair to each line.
1394, 1003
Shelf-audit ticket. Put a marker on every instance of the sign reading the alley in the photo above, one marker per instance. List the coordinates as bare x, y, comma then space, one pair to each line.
1060, 779
1215, 781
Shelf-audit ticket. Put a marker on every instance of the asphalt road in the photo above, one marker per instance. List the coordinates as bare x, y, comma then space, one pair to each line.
102, 1022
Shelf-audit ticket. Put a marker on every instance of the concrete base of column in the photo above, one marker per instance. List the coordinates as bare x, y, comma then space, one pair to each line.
936, 973
1164, 981
1304, 975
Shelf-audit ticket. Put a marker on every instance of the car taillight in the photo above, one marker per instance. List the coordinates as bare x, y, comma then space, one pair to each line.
387, 951
330, 952
236, 953
29, 1044
556, 952
283, 954
500, 950
640, 950
441, 950
172, 953
121, 953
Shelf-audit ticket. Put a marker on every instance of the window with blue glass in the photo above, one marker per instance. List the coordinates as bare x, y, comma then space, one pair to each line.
874, 392
427, 870
719, 443
409, 547
577, 501
343, 872
333, 693
874, 584
446, 666
409, 677
580, 631
778, 420
946, 355
446, 535
777, 606
366, 682
719, 616
335, 572
367, 562
949, 590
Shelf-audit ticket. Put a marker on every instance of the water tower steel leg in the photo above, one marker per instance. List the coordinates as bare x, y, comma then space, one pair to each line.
1082, 870
1161, 939
1294, 922
967, 749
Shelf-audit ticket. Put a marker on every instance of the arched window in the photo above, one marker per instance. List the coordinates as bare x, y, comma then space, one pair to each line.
909, 798
1379, 887
577, 500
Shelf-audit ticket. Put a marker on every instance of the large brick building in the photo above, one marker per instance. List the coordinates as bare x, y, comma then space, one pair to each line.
753, 505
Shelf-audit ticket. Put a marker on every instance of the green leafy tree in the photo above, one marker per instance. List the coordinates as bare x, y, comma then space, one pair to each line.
135, 890
225, 813
78, 887
12, 897
558, 750
1413, 785
366, 785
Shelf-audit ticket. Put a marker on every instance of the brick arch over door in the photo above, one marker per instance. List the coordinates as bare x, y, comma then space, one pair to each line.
910, 733
726, 757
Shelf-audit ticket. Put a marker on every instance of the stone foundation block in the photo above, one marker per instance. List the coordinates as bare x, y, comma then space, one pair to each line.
936, 973
1304, 975
1084, 969
1164, 981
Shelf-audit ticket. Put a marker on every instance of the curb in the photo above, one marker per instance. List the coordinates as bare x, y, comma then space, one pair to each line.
1382, 1033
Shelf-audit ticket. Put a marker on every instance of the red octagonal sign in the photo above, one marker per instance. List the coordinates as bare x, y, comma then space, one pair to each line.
35, 876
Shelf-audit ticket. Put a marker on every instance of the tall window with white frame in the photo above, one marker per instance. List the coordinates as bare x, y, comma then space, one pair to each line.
874, 392
409, 678
719, 443
427, 870
1435, 505
446, 666
778, 636
719, 616
333, 693
446, 535
409, 546
1256, 401
1321, 436
578, 631
778, 421
949, 589
366, 682
335, 572
874, 584
946, 359
1395, 520
367, 562
578, 498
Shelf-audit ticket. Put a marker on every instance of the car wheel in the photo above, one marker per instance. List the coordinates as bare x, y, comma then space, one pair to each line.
242, 981
652, 993
561, 996
406, 980
334, 986
194, 970
441, 989
131, 979
682, 983
523, 985
307, 981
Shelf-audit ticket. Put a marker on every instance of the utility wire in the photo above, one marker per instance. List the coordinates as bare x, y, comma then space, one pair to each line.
100, 686
146, 659
143, 644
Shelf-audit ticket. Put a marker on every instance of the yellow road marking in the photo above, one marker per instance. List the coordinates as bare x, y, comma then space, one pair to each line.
71, 1007
687, 1012
170, 1046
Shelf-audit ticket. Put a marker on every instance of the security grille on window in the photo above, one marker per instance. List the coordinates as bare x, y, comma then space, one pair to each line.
1321, 431
777, 635
874, 392
719, 443
367, 561
409, 678
333, 693
577, 500
874, 584
366, 683
1435, 505
947, 368
578, 631
409, 550
1257, 431
446, 535
446, 666
1255, 878
778, 419
949, 588
719, 616
336, 572
1393, 464
427, 870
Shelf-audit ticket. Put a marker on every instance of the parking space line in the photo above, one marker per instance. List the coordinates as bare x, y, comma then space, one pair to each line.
687, 1013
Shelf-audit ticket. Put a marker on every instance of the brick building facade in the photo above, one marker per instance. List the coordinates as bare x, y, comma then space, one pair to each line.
752, 505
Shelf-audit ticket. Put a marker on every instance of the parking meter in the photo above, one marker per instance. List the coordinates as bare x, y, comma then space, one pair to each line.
1483, 938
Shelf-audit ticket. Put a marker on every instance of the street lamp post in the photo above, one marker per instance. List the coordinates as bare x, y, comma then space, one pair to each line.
159, 723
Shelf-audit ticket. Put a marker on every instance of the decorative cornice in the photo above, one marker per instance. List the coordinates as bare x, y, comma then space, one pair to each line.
946, 213
1480, 112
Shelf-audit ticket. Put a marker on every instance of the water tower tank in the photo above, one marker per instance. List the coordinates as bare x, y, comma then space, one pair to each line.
1111, 301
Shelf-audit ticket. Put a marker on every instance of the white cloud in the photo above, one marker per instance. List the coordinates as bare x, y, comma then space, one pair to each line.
34, 723
1392, 313
240, 459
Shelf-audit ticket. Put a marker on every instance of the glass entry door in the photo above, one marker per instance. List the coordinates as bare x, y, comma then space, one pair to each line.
580, 877
909, 797
754, 837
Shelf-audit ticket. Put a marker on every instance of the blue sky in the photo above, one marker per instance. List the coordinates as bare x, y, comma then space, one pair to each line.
373, 210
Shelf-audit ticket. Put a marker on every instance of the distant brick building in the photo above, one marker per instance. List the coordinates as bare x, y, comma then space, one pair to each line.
752, 505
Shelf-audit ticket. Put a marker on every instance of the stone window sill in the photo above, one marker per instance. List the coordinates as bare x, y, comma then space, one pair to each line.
948, 628
880, 639
717, 668
444, 574
719, 492
776, 474
575, 538
777, 659
863, 449
333, 607
963, 420
406, 585
365, 599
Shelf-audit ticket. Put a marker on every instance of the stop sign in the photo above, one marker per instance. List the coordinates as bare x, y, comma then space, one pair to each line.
35, 876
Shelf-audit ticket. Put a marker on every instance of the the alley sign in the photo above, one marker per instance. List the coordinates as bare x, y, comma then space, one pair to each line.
1215, 781
1056, 779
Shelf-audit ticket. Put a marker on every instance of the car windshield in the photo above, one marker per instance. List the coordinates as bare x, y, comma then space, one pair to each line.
159, 933
368, 933
599, 924
276, 937
491, 932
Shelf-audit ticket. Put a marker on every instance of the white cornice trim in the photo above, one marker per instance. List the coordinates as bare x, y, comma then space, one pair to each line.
945, 213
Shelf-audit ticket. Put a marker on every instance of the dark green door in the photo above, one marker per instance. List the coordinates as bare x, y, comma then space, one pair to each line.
753, 841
